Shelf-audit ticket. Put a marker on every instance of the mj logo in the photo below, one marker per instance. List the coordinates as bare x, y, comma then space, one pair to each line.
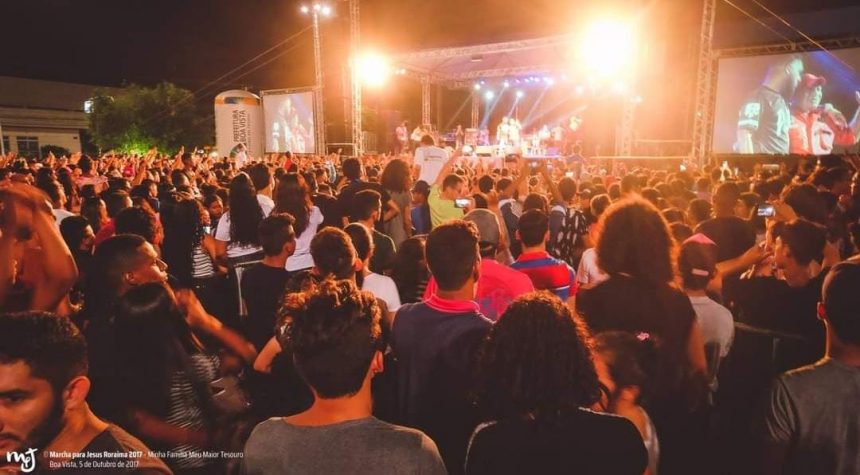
26, 459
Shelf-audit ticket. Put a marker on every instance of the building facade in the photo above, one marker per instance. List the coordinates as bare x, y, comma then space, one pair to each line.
35, 113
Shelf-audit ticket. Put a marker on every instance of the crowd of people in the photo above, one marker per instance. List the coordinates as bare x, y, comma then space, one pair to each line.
423, 313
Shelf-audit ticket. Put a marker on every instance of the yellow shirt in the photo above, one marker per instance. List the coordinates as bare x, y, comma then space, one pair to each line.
441, 210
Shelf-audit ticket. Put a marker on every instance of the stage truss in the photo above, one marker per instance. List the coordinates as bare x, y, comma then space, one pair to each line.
460, 67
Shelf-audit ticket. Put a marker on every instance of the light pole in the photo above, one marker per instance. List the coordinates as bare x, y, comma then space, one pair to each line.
319, 124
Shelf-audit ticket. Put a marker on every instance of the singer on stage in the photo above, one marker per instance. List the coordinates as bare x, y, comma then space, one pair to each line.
816, 128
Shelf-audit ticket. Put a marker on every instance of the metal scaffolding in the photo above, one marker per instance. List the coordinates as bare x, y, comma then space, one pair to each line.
425, 100
626, 129
703, 113
318, 90
476, 111
355, 80
454, 67
792, 47
706, 79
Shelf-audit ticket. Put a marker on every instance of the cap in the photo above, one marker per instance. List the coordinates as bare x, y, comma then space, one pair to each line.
489, 232
698, 255
810, 80
421, 186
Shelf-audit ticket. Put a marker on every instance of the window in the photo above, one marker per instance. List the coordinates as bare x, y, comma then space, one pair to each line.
28, 147
6, 146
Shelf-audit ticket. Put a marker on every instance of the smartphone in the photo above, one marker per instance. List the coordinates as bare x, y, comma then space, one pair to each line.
461, 202
467, 149
765, 210
770, 167
682, 167
568, 174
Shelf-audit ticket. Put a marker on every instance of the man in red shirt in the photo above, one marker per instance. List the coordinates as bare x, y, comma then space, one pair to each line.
498, 285
816, 128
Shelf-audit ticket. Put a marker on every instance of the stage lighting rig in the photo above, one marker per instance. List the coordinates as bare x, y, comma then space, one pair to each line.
373, 69
608, 47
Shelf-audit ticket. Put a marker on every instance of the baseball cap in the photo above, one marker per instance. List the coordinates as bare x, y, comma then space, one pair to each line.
698, 256
489, 233
810, 80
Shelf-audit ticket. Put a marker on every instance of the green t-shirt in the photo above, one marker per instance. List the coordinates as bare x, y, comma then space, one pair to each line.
442, 210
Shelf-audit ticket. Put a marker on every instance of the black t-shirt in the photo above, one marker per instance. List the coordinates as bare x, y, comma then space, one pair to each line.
584, 442
733, 236
767, 116
113, 452
769, 303
262, 288
330, 210
383, 253
346, 197
628, 304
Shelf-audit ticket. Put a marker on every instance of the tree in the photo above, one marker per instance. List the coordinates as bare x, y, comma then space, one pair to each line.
139, 118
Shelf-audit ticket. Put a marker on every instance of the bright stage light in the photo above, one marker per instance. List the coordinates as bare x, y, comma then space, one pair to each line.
373, 69
520, 94
549, 81
580, 90
326, 10
305, 9
619, 87
477, 87
637, 100
506, 84
489, 95
608, 47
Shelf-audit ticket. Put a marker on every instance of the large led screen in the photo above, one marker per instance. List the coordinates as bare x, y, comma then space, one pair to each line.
788, 104
289, 119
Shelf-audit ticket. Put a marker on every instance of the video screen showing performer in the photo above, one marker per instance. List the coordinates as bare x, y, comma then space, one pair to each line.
289, 121
803, 104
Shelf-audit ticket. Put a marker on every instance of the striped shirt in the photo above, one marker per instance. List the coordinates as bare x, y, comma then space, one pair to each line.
547, 273
186, 409
202, 264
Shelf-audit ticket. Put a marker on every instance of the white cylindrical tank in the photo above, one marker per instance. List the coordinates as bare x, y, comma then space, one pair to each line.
239, 121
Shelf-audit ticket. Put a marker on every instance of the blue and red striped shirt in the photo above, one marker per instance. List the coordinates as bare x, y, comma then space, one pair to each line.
547, 273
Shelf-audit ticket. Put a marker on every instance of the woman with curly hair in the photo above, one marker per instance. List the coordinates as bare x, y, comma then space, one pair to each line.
636, 250
397, 181
293, 196
535, 377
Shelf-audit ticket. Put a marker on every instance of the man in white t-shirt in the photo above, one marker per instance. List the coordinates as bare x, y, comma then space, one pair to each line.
697, 263
429, 160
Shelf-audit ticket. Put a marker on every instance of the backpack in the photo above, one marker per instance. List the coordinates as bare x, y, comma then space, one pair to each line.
568, 243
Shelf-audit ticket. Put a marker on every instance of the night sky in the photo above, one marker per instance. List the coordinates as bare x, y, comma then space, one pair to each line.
191, 42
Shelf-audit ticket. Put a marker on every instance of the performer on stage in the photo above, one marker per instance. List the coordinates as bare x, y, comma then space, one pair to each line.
514, 132
417, 135
401, 138
484, 136
459, 136
816, 128
503, 132
765, 118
